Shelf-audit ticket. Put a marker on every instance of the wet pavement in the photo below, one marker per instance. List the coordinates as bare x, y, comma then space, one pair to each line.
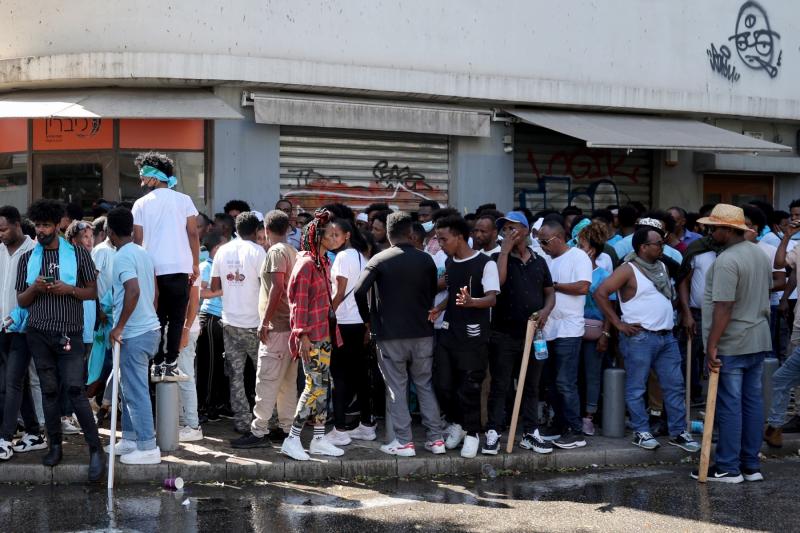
656, 498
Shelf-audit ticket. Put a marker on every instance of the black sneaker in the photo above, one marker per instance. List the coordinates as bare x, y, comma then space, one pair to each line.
752, 474
171, 372
719, 476
570, 439
533, 441
157, 373
250, 441
685, 441
492, 443
225, 412
212, 415
277, 435
550, 433
242, 431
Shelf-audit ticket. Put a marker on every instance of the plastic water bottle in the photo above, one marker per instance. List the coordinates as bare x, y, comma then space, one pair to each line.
697, 426
539, 346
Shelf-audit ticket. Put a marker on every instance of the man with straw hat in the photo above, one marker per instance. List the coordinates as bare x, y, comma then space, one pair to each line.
737, 338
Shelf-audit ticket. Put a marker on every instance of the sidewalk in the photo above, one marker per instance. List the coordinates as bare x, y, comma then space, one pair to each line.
212, 459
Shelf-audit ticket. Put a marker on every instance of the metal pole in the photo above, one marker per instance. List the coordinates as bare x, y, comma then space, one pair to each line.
114, 403
688, 383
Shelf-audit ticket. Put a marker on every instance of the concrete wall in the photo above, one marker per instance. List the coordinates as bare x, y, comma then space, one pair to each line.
246, 159
481, 172
676, 185
627, 54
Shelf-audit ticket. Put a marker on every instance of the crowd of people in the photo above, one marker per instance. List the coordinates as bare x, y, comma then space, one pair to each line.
392, 313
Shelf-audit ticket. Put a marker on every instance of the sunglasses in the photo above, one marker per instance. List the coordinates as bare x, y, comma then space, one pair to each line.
655, 243
545, 242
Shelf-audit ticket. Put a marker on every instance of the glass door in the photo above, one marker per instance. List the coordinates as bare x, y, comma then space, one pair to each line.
80, 178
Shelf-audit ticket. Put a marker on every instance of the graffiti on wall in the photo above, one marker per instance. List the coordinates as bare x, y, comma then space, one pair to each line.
755, 42
585, 164
401, 187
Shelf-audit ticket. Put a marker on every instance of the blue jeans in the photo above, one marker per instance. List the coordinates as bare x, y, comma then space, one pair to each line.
188, 389
784, 379
740, 412
565, 355
137, 410
644, 351
593, 373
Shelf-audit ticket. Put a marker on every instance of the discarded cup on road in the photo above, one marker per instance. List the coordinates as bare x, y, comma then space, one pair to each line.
489, 471
173, 483
697, 426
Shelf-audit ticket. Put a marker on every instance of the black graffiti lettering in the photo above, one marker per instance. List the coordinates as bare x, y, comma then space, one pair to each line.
394, 175
720, 63
306, 175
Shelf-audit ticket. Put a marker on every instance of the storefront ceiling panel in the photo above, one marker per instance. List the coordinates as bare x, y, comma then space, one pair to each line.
299, 110
607, 130
116, 103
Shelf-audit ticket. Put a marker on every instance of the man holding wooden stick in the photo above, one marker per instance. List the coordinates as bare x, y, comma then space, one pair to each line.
525, 288
737, 338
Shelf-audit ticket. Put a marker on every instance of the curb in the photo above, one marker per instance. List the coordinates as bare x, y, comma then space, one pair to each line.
236, 469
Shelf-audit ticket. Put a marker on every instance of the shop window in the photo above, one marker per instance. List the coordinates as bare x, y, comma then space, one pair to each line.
78, 183
14, 180
189, 169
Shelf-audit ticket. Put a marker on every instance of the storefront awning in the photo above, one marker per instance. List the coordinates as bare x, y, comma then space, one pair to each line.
607, 130
301, 110
116, 103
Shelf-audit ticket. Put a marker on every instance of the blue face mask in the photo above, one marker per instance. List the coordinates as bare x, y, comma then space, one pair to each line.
427, 226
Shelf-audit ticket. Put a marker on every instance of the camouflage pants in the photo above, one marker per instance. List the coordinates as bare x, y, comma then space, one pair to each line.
314, 400
240, 343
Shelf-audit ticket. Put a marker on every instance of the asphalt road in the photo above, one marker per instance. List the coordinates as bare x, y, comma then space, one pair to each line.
633, 499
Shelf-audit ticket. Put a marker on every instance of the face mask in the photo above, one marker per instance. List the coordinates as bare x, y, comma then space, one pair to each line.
45, 241
427, 226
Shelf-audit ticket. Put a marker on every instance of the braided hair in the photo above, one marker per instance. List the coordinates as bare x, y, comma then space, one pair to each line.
312, 236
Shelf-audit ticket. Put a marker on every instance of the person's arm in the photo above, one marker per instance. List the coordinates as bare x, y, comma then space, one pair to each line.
791, 284
216, 286
194, 244
138, 234
207, 293
463, 299
363, 285
780, 253
778, 281
129, 302
298, 294
273, 300
576, 288
549, 304
191, 313
339, 293
502, 261
684, 289
86, 276
618, 279
720, 319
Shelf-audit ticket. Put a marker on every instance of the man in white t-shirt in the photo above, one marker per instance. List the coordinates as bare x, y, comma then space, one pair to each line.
571, 270
165, 225
235, 272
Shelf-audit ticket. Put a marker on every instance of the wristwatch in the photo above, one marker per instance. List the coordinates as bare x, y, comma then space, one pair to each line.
606, 334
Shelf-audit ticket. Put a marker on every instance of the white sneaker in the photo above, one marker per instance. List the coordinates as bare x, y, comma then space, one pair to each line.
337, 438
190, 434
436, 447
29, 443
455, 434
121, 447
69, 425
294, 448
6, 450
363, 432
322, 446
142, 457
401, 450
471, 445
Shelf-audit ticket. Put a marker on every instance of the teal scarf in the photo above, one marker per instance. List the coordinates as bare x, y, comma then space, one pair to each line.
67, 263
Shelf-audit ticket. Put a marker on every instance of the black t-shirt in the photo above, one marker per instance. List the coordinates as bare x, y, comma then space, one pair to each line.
49, 312
465, 324
521, 295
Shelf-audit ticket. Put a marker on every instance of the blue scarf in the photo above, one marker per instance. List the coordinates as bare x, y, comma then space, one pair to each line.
151, 172
67, 263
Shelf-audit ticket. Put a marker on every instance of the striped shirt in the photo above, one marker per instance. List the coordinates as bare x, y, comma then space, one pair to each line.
50, 312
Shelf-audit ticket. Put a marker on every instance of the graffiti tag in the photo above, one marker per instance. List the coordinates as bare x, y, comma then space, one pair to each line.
391, 176
720, 63
587, 164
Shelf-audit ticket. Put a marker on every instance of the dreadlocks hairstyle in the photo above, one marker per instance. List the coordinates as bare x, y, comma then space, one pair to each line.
312, 236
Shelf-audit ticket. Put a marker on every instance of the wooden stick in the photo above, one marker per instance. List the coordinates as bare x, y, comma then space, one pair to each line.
526, 354
688, 383
708, 426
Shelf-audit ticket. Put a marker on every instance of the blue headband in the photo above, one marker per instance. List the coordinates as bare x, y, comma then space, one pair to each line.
151, 172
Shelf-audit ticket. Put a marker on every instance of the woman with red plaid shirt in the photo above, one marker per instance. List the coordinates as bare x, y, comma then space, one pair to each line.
310, 339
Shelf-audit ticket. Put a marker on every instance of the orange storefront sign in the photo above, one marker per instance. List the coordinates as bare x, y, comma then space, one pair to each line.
162, 134
73, 134
13, 135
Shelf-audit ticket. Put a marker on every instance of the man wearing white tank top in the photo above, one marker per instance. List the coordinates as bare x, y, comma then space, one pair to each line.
646, 340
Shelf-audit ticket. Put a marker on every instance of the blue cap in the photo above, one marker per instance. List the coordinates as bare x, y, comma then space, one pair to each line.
513, 216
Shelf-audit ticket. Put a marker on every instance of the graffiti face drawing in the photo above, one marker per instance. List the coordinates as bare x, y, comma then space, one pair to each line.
755, 40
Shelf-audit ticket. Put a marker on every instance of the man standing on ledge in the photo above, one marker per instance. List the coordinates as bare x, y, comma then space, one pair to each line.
737, 338
165, 225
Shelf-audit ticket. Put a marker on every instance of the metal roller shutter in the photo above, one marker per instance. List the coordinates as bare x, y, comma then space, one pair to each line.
357, 168
539, 152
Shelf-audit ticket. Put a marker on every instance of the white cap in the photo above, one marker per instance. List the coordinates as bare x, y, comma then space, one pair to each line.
362, 217
259, 215
538, 224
